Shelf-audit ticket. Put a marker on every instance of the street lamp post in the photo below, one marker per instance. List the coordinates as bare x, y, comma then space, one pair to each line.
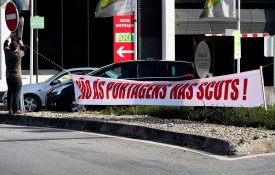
31, 44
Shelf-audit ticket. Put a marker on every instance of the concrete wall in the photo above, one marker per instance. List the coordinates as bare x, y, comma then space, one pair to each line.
270, 95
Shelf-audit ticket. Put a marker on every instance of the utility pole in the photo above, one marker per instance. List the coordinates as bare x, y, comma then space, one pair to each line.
239, 29
31, 44
62, 33
36, 44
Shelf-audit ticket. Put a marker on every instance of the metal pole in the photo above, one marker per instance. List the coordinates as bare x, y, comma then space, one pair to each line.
36, 44
62, 35
263, 89
273, 45
36, 56
239, 29
88, 33
135, 29
31, 45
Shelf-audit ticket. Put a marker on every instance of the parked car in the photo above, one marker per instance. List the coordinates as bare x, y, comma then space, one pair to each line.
62, 97
34, 94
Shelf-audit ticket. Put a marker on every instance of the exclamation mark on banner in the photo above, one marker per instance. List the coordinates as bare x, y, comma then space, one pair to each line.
244, 89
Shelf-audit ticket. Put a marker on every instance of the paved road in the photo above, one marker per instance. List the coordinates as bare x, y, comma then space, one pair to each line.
46, 151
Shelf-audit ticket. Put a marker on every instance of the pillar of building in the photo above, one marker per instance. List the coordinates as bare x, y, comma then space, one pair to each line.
168, 30
4, 33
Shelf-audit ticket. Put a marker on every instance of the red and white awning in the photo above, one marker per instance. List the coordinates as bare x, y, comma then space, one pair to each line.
243, 35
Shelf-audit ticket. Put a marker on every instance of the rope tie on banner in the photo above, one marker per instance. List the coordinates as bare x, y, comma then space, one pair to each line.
268, 65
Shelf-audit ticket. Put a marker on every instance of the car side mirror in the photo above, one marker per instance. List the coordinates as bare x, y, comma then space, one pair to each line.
55, 82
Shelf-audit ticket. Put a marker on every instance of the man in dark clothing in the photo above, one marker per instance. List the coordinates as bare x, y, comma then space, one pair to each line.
14, 51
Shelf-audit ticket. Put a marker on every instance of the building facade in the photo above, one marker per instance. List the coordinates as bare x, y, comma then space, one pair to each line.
73, 37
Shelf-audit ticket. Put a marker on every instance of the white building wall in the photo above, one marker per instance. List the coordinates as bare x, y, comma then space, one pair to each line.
4, 33
168, 30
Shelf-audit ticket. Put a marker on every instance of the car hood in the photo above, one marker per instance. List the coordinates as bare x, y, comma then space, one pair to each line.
62, 84
32, 87
59, 85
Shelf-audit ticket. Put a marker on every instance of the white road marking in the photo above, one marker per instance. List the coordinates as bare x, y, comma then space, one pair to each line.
11, 16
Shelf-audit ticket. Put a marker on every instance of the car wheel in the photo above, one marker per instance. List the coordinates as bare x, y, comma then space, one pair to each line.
32, 103
77, 107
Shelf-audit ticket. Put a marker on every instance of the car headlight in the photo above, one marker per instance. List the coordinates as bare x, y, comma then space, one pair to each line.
59, 89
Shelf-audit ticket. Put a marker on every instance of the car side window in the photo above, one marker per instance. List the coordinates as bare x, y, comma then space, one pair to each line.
128, 70
121, 71
112, 72
152, 69
180, 69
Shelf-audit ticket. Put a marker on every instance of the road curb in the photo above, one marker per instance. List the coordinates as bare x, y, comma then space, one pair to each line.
207, 144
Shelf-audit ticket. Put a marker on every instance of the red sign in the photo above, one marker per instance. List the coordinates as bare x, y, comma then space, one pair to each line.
123, 38
11, 15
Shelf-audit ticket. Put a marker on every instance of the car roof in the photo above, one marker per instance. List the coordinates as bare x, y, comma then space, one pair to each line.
70, 70
80, 68
140, 61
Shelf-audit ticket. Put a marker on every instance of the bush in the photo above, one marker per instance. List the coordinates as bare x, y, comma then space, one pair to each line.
244, 117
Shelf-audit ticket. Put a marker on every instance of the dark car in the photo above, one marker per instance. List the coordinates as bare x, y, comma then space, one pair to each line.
62, 97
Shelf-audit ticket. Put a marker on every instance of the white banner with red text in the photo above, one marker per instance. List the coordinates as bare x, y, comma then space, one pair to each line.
235, 90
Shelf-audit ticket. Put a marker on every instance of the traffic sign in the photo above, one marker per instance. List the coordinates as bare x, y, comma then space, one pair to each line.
123, 38
11, 14
37, 22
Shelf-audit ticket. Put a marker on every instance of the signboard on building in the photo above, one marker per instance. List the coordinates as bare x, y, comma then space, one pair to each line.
37, 22
237, 41
123, 38
202, 59
269, 46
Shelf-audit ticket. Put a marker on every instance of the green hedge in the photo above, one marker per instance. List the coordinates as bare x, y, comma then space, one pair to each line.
245, 117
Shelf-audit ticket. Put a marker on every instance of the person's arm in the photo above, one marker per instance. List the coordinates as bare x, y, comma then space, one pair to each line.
8, 41
22, 46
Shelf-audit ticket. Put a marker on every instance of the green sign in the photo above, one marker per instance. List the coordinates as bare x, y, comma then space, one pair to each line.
37, 22
237, 44
124, 37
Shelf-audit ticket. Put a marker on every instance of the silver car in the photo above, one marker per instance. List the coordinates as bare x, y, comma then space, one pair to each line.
34, 94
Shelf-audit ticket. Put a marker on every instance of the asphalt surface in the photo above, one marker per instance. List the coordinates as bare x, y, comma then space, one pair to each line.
28, 150
202, 143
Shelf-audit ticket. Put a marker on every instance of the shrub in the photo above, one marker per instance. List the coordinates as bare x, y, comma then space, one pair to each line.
244, 117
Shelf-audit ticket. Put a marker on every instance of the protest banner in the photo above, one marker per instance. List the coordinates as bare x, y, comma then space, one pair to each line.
235, 90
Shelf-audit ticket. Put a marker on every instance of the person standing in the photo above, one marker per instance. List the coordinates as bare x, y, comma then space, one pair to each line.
14, 51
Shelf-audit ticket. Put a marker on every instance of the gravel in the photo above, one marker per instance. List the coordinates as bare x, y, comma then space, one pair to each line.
238, 136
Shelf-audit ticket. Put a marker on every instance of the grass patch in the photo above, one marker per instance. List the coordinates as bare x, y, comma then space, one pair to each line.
244, 117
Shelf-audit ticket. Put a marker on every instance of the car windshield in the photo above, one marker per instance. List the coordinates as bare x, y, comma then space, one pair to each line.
64, 76
50, 78
109, 73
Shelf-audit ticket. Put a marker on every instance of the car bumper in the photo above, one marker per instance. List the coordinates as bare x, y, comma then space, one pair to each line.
55, 103
5, 102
